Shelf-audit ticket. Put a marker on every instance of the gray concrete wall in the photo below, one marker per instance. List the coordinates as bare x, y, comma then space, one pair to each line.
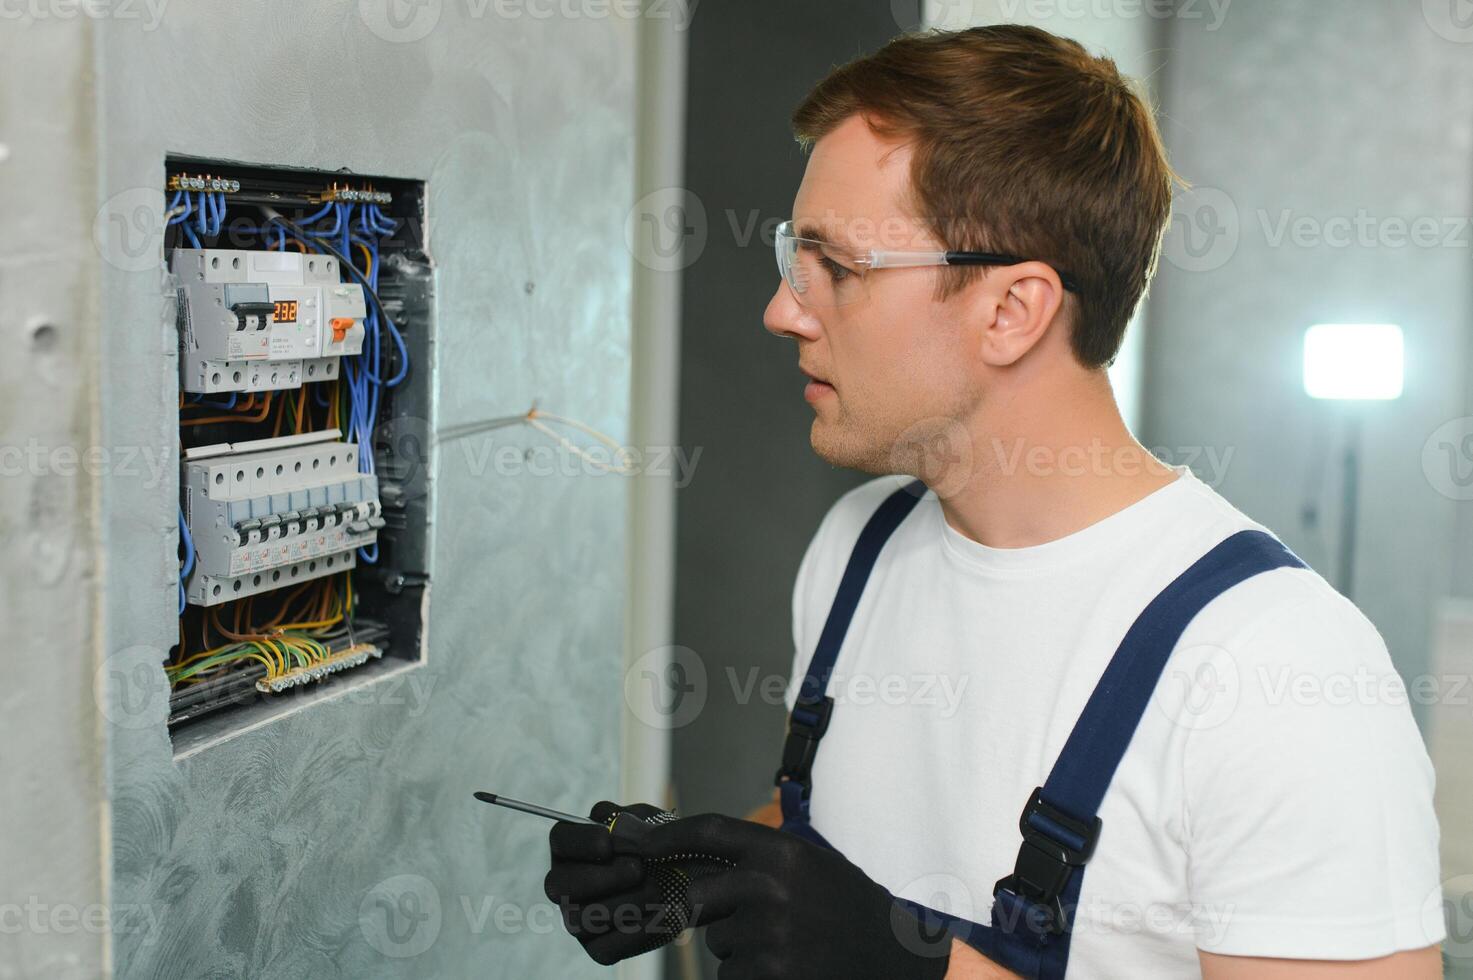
1333, 117
339, 840
51, 765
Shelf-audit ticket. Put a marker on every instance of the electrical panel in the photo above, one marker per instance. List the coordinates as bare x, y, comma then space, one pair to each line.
263, 320
275, 511
303, 304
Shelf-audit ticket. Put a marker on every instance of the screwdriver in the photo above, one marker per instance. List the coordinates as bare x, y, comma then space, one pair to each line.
533, 808
631, 829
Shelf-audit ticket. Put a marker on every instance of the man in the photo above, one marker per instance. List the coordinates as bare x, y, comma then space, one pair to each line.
979, 218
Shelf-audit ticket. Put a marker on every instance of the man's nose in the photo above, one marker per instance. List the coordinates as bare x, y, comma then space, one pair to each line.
786, 317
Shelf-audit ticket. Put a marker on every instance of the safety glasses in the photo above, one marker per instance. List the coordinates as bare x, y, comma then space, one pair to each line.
822, 274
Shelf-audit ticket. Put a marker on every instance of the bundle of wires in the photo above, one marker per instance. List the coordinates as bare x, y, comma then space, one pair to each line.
278, 646
206, 208
363, 375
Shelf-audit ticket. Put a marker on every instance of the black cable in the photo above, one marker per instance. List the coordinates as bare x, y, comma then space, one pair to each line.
297, 232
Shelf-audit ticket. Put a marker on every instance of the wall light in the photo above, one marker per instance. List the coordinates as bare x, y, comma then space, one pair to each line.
1353, 361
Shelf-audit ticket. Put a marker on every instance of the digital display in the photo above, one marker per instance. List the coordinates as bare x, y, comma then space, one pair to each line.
285, 312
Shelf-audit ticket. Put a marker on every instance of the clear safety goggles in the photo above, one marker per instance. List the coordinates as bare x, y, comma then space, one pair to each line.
822, 274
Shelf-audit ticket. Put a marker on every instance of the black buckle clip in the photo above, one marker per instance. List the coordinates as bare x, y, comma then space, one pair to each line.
801, 745
1045, 863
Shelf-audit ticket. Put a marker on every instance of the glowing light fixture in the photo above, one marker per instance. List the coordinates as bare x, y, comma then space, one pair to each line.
1353, 361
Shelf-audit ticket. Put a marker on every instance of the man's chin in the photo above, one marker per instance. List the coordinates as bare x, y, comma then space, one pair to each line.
838, 448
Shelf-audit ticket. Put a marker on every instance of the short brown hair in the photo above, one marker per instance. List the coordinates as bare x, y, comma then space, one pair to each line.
1024, 143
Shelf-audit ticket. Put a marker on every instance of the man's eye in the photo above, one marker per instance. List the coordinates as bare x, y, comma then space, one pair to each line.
837, 272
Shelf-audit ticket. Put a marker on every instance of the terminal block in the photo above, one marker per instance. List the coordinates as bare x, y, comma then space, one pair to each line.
262, 320
275, 512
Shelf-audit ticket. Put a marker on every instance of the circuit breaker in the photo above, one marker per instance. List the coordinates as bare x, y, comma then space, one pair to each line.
255, 320
275, 512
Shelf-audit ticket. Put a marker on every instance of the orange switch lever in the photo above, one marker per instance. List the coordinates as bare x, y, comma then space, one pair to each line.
340, 327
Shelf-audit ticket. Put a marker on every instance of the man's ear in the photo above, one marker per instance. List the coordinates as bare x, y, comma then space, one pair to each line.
1014, 308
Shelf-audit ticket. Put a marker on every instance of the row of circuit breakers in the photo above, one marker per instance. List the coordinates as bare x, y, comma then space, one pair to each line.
269, 513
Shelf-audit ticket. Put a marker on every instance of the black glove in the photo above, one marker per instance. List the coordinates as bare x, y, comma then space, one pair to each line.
614, 903
792, 910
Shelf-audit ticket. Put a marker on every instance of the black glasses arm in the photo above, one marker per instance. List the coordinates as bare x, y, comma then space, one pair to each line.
998, 258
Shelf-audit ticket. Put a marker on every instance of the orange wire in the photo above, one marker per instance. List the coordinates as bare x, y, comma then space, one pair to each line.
265, 408
287, 603
243, 406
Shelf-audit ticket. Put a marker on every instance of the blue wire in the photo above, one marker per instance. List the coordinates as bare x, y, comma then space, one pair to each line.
188, 565
224, 405
204, 220
385, 224
330, 232
188, 208
316, 217
217, 206
371, 325
189, 234
364, 556
362, 374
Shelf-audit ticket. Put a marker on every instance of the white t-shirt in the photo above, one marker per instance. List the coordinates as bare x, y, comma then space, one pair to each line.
1276, 799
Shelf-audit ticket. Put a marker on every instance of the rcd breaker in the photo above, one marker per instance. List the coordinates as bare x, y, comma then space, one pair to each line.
263, 320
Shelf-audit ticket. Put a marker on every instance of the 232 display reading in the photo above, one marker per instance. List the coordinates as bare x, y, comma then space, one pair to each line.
285, 312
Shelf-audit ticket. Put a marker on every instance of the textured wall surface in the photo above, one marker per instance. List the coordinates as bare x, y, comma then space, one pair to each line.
1279, 121
50, 755
341, 840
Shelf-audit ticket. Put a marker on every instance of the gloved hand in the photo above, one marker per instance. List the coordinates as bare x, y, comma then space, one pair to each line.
792, 910
613, 902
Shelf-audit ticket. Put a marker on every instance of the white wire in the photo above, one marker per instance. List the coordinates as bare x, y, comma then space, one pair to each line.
619, 452
533, 418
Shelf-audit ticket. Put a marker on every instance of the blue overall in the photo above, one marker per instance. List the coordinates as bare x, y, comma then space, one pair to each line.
1033, 908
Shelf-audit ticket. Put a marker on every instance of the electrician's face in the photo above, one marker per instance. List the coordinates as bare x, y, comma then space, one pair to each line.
893, 362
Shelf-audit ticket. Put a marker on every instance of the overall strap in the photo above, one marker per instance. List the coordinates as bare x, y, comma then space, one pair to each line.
810, 716
1060, 823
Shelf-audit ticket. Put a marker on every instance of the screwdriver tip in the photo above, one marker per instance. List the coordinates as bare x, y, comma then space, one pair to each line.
485, 797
